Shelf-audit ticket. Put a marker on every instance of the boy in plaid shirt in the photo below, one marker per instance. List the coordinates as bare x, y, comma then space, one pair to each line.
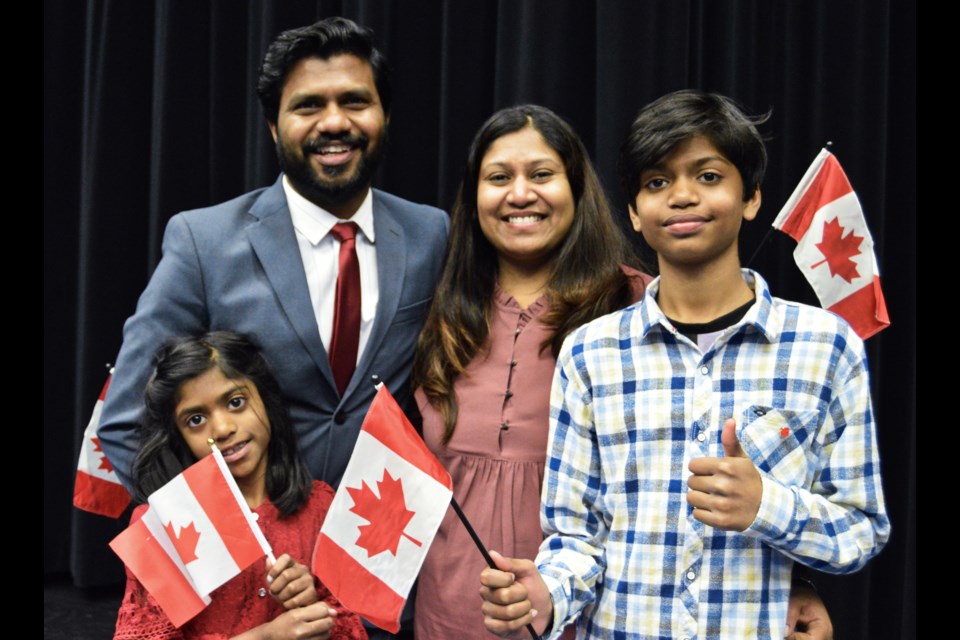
705, 438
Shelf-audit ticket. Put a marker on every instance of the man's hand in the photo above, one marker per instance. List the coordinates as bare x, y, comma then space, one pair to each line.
291, 583
725, 492
514, 595
807, 616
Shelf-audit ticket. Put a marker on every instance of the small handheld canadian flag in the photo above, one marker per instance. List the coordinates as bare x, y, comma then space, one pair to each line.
197, 534
97, 488
834, 247
374, 540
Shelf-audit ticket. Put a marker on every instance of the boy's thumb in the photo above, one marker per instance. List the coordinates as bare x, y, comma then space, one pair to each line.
728, 437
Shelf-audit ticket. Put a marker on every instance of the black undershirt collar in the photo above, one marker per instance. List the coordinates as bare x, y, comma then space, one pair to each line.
694, 329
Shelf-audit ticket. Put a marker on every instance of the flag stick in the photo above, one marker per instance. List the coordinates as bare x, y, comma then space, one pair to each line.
756, 251
759, 246
483, 549
242, 503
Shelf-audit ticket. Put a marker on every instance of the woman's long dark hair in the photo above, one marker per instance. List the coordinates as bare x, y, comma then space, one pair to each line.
163, 453
586, 281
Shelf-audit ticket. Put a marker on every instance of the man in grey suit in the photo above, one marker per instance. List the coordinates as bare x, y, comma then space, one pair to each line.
267, 262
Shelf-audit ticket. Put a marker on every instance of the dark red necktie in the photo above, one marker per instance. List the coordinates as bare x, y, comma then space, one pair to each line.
346, 312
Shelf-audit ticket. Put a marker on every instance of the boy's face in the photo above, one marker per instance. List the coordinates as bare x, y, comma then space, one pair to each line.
690, 206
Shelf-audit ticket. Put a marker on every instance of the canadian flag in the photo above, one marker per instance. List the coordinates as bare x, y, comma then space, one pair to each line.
197, 534
392, 498
834, 247
97, 488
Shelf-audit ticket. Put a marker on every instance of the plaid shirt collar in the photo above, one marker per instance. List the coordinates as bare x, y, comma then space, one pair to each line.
762, 316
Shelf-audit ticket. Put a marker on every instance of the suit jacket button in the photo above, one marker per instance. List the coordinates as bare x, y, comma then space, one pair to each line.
339, 417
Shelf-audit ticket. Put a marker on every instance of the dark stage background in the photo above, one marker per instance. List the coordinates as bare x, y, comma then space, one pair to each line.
149, 108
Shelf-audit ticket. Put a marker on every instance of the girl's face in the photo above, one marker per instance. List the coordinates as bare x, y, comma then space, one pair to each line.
232, 414
524, 200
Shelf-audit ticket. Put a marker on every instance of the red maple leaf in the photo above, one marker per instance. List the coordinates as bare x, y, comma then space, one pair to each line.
104, 463
388, 515
185, 542
837, 250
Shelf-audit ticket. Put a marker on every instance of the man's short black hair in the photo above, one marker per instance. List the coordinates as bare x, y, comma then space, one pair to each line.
323, 39
675, 118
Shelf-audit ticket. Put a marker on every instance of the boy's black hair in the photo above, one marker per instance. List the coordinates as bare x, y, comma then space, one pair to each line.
676, 117
323, 39
163, 453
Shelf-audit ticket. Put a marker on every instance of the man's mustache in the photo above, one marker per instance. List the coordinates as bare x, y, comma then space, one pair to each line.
316, 145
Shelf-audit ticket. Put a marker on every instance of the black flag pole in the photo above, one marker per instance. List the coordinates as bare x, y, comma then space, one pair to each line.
756, 251
483, 549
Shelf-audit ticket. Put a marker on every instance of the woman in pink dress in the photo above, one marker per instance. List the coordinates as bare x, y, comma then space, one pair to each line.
534, 253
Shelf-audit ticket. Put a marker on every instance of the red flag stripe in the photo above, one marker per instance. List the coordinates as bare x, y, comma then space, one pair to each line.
99, 496
851, 309
829, 183
381, 422
160, 575
96, 487
355, 587
209, 488
106, 385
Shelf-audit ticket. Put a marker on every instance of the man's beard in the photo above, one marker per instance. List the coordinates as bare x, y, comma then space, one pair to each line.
326, 189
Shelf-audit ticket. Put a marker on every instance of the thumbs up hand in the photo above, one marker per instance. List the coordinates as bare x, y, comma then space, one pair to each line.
725, 492
729, 440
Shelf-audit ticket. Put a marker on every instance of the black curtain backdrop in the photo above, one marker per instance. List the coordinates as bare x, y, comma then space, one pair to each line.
149, 108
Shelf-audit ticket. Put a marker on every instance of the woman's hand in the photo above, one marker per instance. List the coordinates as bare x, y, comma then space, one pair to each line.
807, 616
291, 583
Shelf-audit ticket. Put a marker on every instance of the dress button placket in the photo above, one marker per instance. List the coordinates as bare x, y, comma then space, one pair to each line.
508, 392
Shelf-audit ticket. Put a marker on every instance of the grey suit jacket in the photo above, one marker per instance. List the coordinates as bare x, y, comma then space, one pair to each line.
236, 266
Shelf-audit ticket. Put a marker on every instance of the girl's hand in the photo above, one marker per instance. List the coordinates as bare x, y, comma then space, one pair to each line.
314, 621
291, 583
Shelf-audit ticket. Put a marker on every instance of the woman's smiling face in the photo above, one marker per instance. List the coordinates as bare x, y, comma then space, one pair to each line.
524, 201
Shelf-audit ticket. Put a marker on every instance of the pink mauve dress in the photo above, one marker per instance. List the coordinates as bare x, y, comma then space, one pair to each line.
496, 458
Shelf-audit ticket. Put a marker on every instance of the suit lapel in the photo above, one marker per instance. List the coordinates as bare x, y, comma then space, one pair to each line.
274, 241
391, 266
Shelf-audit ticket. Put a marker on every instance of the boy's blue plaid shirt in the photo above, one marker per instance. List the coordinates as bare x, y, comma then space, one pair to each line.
633, 402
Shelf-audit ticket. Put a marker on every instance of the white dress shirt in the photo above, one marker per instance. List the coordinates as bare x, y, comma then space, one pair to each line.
320, 253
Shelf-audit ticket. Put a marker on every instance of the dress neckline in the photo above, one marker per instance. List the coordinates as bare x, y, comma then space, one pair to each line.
505, 300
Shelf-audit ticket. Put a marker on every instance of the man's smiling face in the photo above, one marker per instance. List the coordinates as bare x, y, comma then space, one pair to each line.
331, 131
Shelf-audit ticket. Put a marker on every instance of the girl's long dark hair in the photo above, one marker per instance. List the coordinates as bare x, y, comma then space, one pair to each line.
163, 453
587, 279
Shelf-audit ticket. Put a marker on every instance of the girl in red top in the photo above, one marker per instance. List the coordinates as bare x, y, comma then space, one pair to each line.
219, 387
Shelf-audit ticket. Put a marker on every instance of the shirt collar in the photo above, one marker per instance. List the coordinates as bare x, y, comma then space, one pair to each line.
314, 223
762, 316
